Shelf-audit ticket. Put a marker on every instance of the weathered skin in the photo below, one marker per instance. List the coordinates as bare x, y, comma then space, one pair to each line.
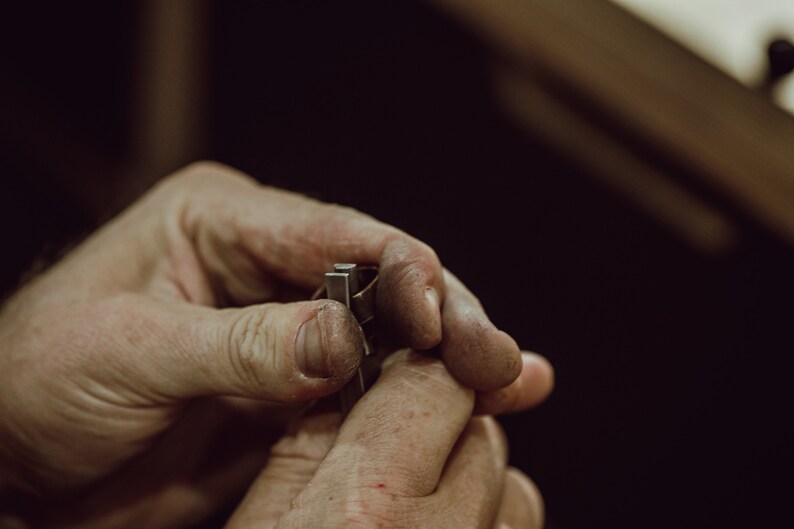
118, 366
408, 456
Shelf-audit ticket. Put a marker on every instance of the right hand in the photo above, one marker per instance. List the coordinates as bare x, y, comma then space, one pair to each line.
408, 456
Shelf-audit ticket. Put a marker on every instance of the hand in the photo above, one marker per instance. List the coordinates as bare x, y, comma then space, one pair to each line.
113, 362
408, 456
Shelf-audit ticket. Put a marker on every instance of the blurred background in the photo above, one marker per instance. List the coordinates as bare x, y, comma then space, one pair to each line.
614, 180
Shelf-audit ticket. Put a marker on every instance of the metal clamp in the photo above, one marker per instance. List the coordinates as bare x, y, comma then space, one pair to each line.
355, 286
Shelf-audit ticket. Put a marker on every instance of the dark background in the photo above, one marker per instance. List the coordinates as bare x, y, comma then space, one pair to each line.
672, 403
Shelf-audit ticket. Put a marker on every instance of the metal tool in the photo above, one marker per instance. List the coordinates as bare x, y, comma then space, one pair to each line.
355, 286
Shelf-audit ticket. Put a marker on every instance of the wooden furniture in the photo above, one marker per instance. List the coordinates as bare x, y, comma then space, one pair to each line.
687, 143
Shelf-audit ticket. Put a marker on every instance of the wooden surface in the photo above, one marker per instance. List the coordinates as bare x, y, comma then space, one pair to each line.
615, 164
638, 84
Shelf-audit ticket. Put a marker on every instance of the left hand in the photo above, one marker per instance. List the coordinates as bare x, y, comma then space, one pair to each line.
409, 456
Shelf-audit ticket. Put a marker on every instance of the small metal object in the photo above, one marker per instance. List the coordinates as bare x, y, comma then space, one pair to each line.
337, 287
344, 285
352, 273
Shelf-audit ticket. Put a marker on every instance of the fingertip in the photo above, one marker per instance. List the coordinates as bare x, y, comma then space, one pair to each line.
513, 360
499, 401
537, 374
343, 340
480, 356
533, 385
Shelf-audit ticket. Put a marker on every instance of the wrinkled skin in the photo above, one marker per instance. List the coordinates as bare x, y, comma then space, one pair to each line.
145, 376
408, 456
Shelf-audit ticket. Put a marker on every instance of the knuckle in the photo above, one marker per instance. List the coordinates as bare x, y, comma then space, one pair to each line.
331, 220
341, 211
489, 426
370, 511
492, 433
431, 388
308, 440
413, 259
405, 272
432, 376
427, 367
529, 494
429, 254
350, 507
201, 176
205, 171
347, 214
250, 348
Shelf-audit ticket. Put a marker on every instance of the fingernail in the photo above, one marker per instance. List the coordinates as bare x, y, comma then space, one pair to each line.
310, 354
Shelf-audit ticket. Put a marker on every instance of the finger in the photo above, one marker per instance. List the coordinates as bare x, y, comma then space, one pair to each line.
469, 491
532, 387
522, 504
250, 238
477, 354
410, 293
293, 462
169, 351
394, 444
408, 422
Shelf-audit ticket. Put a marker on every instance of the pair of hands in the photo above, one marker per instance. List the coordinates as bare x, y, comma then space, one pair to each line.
144, 377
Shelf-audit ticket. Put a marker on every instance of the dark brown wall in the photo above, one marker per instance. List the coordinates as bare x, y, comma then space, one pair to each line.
672, 405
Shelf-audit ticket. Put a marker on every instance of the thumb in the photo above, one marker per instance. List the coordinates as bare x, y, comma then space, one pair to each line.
277, 352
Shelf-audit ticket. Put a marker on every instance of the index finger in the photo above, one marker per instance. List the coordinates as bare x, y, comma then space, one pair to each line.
398, 437
250, 236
